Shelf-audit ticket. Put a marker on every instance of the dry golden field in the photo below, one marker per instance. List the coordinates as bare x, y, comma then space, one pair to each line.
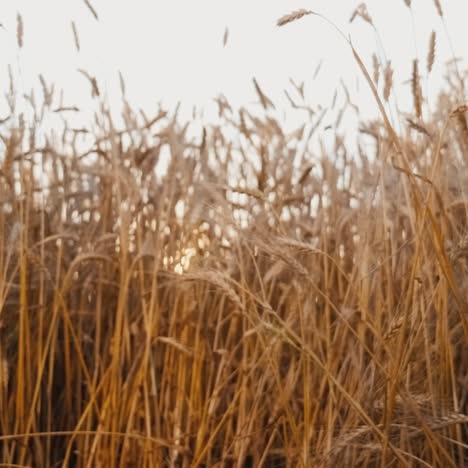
257, 304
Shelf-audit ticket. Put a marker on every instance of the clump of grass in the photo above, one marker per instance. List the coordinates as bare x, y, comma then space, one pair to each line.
254, 305
438, 6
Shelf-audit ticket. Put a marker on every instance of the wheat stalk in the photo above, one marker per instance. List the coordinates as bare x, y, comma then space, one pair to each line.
362, 12
19, 30
439, 8
293, 16
376, 66
448, 420
46, 93
4, 374
76, 38
94, 86
91, 9
388, 80
431, 53
313, 309
416, 89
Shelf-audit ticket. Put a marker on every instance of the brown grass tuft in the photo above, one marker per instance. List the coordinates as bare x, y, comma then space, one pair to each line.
419, 127
92, 80
273, 297
122, 84
264, 100
376, 67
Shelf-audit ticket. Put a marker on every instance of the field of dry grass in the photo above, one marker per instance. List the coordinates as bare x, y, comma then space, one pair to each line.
257, 304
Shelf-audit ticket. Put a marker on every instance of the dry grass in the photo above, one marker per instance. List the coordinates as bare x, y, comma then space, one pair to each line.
19, 30
91, 9
431, 52
388, 81
293, 16
361, 12
416, 90
76, 37
255, 305
438, 6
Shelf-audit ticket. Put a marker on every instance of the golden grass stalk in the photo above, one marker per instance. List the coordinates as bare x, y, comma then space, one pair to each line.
265, 101
76, 38
376, 67
416, 90
122, 84
293, 16
19, 30
431, 52
388, 81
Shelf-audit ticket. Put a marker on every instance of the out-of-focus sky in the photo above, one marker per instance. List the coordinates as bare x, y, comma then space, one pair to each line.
172, 50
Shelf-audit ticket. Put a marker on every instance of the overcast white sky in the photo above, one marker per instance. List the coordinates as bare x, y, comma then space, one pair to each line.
172, 50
